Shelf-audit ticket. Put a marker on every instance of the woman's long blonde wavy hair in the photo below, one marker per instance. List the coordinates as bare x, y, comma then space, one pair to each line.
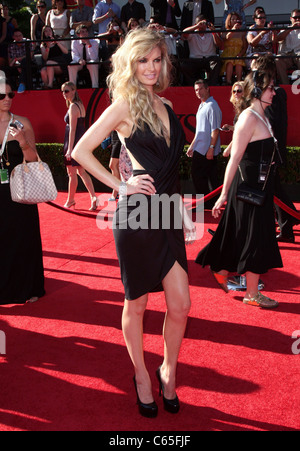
124, 85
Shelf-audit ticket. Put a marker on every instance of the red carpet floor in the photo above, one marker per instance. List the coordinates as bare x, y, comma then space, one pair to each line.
66, 366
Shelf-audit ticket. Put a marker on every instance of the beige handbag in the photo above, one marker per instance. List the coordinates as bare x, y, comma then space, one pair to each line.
32, 183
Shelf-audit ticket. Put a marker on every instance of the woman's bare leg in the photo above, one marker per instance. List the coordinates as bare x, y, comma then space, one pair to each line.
176, 287
132, 325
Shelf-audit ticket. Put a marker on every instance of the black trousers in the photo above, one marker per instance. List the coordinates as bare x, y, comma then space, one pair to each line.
192, 68
204, 176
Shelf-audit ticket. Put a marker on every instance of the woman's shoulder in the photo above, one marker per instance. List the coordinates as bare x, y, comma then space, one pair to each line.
247, 118
120, 105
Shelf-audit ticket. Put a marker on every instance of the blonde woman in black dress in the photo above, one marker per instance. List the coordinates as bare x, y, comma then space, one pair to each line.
150, 259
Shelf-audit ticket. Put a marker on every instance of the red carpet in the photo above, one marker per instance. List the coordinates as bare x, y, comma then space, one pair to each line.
66, 366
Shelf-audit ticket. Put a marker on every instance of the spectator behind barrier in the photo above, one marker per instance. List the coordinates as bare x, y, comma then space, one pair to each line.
55, 57
84, 51
289, 41
192, 9
37, 22
103, 14
203, 53
82, 15
133, 9
17, 59
235, 45
260, 40
236, 6
58, 18
166, 11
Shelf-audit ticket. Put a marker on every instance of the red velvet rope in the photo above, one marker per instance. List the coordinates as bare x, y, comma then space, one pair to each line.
277, 201
193, 204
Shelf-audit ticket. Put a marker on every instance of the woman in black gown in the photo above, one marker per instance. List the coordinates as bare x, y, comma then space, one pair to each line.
21, 263
152, 258
245, 241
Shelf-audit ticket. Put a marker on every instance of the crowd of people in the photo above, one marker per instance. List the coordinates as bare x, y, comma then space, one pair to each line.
65, 43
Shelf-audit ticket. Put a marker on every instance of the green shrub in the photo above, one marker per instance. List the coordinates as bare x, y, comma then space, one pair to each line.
289, 175
52, 154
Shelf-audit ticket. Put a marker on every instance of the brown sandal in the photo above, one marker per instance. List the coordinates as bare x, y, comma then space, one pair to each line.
221, 280
259, 300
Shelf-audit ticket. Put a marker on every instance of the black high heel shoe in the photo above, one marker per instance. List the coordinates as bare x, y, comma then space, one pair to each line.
170, 405
146, 410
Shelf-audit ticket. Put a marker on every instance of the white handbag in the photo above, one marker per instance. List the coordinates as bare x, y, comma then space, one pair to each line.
32, 183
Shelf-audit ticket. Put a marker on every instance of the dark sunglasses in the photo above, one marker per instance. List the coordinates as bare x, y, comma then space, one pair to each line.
11, 95
296, 17
237, 90
65, 91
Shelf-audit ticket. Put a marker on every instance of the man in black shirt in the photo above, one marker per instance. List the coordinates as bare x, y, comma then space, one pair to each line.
133, 9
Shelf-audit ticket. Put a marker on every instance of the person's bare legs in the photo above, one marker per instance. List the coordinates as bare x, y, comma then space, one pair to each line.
252, 285
85, 177
176, 287
132, 325
73, 183
229, 72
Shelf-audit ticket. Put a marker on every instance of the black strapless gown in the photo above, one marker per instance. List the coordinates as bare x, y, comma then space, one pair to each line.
245, 239
21, 259
146, 255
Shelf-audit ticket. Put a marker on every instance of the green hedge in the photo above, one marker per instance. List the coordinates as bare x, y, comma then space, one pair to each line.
53, 155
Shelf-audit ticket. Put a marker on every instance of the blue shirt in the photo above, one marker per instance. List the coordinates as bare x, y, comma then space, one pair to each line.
208, 119
101, 9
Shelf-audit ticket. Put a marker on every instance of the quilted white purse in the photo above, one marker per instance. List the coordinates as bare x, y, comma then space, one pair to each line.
32, 183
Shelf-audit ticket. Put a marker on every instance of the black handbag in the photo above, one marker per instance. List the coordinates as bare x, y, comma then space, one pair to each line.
249, 194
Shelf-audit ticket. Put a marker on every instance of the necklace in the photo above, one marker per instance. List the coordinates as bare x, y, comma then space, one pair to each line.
5, 157
4, 146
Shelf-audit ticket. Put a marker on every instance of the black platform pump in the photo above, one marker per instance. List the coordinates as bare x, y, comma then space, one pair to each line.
170, 405
146, 410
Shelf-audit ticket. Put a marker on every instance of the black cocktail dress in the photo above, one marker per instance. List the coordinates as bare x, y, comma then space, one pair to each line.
245, 239
79, 132
146, 254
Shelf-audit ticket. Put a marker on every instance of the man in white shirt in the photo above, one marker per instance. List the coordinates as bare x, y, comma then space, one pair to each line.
85, 53
203, 52
289, 46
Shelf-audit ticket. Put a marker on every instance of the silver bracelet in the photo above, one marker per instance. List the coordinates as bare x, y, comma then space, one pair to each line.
123, 189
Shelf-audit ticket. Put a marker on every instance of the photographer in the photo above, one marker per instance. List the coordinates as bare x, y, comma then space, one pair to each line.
203, 52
